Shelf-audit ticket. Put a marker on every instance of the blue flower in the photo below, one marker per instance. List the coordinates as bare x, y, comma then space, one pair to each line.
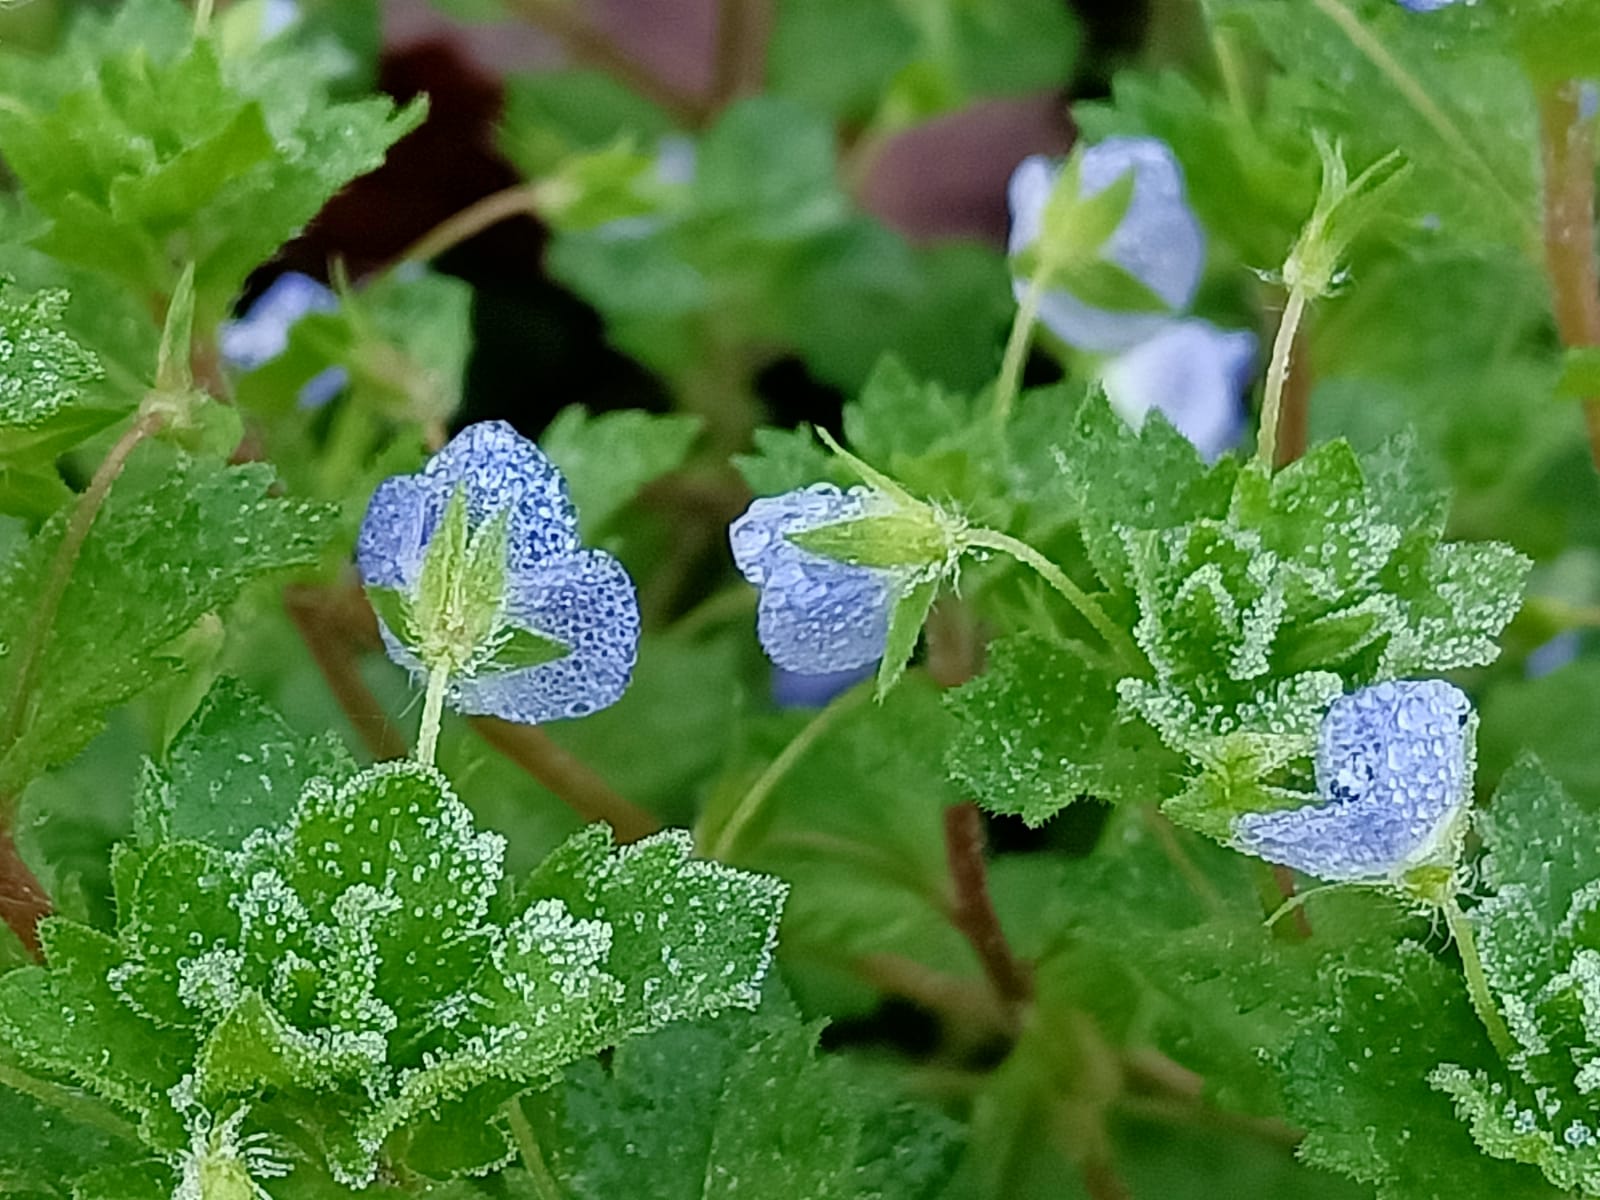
1195, 374
262, 333
817, 615
1159, 241
1392, 769
1425, 5
554, 588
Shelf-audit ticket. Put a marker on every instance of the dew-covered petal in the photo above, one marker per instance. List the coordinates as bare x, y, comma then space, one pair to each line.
1159, 241
1391, 772
262, 333
502, 470
585, 601
1193, 373
817, 616
394, 533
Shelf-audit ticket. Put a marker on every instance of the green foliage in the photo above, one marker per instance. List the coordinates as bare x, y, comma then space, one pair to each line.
43, 372
608, 458
364, 948
176, 539
1537, 935
147, 148
742, 1105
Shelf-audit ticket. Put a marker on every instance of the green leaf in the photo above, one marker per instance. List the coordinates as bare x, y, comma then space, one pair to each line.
1040, 729
608, 457
906, 619
146, 151
46, 1148
176, 539
1538, 934
358, 976
393, 608
1580, 373
742, 1105
786, 459
43, 371
1356, 1077
554, 114
234, 768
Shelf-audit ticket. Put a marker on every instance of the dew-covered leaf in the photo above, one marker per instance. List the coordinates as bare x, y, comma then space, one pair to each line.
43, 371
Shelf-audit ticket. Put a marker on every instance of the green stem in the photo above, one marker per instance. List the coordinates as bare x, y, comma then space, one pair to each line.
1016, 354
202, 17
727, 838
544, 1184
1477, 982
432, 715
1277, 376
1115, 637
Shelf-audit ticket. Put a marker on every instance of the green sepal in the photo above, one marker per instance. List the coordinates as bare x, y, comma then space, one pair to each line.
1074, 227
394, 610
897, 540
523, 648
905, 623
173, 370
1101, 283
443, 566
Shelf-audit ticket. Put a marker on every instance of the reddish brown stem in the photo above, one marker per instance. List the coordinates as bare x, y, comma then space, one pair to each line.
972, 911
568, 776
312, 610
1294, 428
1284, 878
1569, 213
23, 900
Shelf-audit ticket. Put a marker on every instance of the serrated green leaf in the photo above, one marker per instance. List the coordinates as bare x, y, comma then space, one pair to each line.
176, 539
742, 1105
606, 458
1040, 729
43, 371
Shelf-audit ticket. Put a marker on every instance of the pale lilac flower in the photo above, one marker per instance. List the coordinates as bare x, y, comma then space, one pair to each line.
1425, 5
555, 588
816, 615
262, 333
1195, 374
1392, 777
1159, 240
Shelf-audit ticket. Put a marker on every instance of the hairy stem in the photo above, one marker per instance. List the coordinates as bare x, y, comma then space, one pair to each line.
573, 781
545, 1186
48, 601
1569, 215
1477, 982
1017, 346
23, 900
432, 714
335, 656
1115, 637
727, 838
1277, 376
973, 912
518, 200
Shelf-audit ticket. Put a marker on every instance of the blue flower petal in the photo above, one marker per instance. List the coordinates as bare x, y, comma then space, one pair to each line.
790, 689
262, 333
584, 600
501, 469
401, 516
1159, 242
1426, 5
816, 615
1193, 373
1391, 771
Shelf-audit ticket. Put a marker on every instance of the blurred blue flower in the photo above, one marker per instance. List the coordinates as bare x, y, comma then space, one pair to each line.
790, 689
1192, 372
262, 333
1392, 775
555, 588
1425, 5
817, 615
1552, 655
1159, 241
